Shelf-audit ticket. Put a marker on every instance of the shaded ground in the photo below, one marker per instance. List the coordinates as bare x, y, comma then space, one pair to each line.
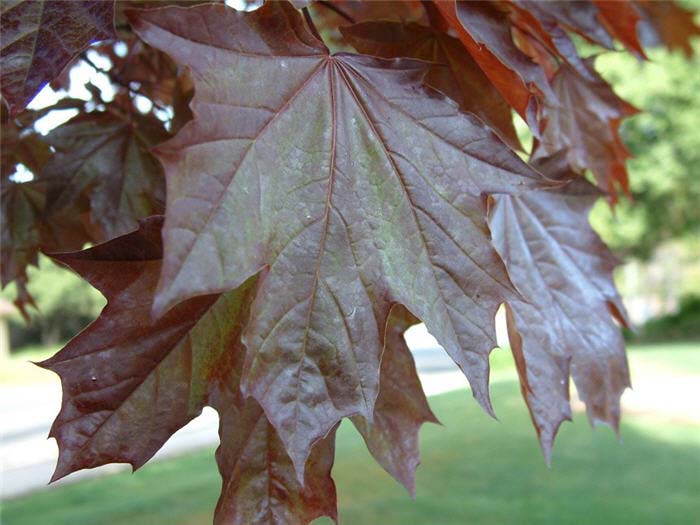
475, 470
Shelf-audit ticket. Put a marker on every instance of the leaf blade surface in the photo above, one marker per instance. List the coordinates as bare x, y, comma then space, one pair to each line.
39, 38
355, 185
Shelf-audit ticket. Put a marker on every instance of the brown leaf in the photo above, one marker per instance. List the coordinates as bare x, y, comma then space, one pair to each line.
545, 41
353, 183
259, 481
621, 19
40, 37
362, 11
20, 144
153, 71
564, 324
104, 160
20, 235
580, 16
401, 407
129, 384
25, 229
457, 76
484, 29
671, 24
585, 124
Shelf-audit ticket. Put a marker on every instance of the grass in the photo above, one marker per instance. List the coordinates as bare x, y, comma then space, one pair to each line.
674, 358
19, 368
475, 470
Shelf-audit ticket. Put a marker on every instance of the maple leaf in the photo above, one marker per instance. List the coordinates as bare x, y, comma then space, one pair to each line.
155, 74
20, 146
579, 16
401, 407
457, 76
127, 390
564, 325
24, 225
357, 187
21, 207
259, 480
39, 38
669, 24
20, 236
103, 160
585, 124
484, 29
545, 41
621, 19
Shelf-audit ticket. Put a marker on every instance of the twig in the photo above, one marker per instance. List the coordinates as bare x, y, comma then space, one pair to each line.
336, 10
115, 79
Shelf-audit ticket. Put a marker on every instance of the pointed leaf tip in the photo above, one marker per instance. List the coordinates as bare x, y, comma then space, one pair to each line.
567, 282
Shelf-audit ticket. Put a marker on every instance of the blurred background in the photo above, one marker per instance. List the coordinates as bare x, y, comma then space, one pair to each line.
475, 469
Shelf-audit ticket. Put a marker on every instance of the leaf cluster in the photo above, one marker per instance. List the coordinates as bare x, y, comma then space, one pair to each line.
267, 217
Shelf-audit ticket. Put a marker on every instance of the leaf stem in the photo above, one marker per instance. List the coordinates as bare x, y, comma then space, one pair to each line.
434, 17
310, 23
336, 10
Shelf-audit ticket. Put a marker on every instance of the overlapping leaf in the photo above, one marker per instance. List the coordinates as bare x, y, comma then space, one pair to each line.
585, 124
484, 29
669, 24
126, 391
128, 385
38, 38
545, 41
580, 16
331, 16
19, 145
21, 206
565, 325
104, 160
622, 20
20, 236
401, 407
353, 183
259, 481
358, 11
457, 75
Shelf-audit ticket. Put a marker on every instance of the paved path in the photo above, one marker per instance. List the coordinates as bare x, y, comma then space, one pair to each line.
27, 458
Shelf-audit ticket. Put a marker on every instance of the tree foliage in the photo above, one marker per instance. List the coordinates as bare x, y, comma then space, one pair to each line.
665, 145
267, 217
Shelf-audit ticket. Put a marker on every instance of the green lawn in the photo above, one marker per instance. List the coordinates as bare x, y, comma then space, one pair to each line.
19, 368
681, 358
475, 470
